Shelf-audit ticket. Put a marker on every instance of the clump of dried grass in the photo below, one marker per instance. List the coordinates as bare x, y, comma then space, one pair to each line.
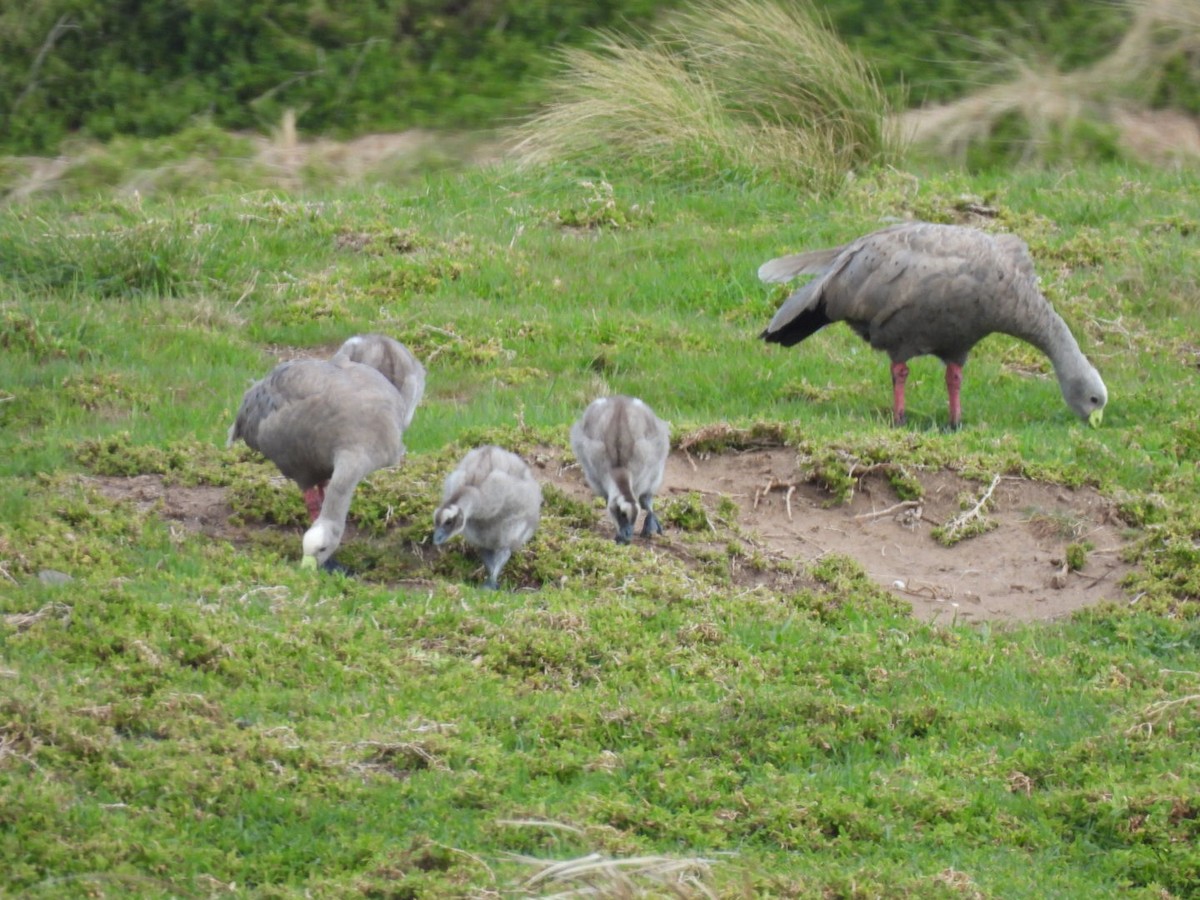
596, 875
757, 88
1109, 93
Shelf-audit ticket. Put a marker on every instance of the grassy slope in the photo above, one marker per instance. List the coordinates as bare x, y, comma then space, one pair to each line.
187, 715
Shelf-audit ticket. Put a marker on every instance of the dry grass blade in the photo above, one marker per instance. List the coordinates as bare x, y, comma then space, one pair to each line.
595, 875
1153, 715
1155, 710
25, 621
1163, 34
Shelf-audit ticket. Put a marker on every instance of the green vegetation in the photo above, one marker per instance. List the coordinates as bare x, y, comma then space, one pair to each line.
190, 713
103, 69
72, 69
184, 713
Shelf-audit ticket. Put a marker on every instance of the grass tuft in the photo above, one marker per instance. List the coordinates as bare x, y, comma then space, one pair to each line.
1035, 112
737, 88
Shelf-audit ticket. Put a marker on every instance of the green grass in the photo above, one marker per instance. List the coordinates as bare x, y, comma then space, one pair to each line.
189, 714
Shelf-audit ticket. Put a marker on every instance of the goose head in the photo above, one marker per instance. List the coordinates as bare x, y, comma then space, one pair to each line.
319, 543
624, 514
448, 521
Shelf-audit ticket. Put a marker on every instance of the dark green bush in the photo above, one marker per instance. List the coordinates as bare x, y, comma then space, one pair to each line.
148, 67
941, 49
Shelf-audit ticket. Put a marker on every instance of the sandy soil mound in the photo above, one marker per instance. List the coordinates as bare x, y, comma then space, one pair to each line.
1016, 571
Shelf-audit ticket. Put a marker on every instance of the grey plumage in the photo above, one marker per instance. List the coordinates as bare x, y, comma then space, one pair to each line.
326, 426
393, 360
919, 288
622, 447
494, 501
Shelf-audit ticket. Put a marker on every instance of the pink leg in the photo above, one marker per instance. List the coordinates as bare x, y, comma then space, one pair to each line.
953, 386
899, 378
314, 499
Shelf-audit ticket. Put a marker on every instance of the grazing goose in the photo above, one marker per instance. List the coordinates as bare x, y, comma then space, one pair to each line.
494, 500
919, 288
393, 360
326, 426
622, 446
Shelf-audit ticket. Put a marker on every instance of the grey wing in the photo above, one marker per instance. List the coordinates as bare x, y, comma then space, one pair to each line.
256, 404
652, 443
915, 264
785, 268
286, 383
819, 262
507, 493
593, 459
802, 300
1016, 252
509, 511
460, 477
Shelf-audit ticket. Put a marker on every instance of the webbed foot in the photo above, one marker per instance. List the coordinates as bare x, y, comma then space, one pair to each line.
652, 525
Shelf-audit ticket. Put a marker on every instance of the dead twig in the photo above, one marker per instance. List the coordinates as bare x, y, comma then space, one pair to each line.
969, 521
895, 507
762, 492
1155, 710
25, 621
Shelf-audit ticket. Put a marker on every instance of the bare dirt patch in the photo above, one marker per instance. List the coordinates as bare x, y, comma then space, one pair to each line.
1015, 572
200, 508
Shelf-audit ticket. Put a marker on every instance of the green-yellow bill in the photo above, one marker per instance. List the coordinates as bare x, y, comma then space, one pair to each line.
1096, 417
308, 562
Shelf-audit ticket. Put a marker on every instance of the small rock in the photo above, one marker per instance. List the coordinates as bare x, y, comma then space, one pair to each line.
50, 576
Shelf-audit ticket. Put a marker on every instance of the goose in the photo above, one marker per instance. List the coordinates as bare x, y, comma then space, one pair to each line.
622, 446
918, 288
494, 501
393, 360
326, 425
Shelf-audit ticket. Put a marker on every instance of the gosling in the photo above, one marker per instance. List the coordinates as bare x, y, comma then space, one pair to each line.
493, 499
622, 446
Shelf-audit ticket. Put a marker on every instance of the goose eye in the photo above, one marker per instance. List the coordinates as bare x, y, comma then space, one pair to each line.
1095, 399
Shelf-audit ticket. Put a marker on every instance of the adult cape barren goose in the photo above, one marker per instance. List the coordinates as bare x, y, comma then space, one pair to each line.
919, 288
494, 501
326, 426
622, 446
393, 360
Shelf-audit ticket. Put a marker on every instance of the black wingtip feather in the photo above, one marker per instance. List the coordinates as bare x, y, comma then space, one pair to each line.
795, 330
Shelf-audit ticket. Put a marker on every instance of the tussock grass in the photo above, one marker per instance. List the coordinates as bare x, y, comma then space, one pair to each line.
1039, 113
757, 88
